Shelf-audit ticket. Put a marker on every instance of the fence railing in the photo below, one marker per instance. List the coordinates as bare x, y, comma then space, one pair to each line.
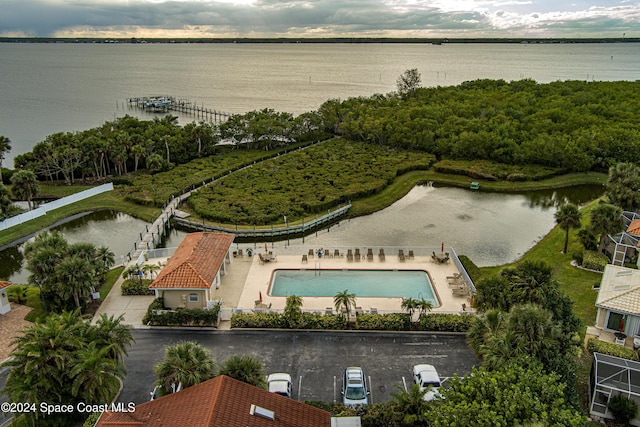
46, 207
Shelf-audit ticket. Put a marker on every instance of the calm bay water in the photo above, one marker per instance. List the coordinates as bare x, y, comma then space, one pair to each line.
49, 88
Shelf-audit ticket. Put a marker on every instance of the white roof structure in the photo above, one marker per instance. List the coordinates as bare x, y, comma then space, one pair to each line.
620, 290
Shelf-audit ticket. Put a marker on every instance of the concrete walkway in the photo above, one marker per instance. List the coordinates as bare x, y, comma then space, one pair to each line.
132, 307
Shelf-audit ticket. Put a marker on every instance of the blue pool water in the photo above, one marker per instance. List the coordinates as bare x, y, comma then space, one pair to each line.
362, 283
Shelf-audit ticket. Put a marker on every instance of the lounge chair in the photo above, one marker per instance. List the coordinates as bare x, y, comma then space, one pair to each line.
240, 252
261, 258
434, 258
369, 254
349, 255
336, 254
310, 253
305, 259
328, 310
357, 254
401, 255
326, 253
373, 310
410, 256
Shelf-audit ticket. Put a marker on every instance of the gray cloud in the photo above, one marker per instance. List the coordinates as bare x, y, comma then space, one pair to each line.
315, 18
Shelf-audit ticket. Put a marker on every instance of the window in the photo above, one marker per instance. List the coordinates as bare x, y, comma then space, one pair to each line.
194, 298
615, 321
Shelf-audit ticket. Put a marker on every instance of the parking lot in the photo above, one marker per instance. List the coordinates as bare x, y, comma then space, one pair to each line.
315, 360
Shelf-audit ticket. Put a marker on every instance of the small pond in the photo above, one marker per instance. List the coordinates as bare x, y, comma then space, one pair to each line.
490, 228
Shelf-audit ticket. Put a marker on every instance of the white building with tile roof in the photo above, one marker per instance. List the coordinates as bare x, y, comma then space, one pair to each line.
618, 301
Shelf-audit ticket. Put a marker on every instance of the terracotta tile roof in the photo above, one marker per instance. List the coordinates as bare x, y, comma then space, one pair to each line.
5, 284
620, 290
195, 263
220, 402
634, 227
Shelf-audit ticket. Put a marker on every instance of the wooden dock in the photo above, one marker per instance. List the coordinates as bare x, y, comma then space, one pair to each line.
167, 103
278, 233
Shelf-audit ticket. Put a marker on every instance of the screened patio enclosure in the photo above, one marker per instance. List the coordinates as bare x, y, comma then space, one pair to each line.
624, 246
611, 376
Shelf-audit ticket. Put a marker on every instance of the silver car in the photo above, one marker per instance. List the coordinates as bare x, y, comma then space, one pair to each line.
354, 387
280, 383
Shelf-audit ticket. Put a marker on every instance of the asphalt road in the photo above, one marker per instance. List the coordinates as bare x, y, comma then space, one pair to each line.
315, 360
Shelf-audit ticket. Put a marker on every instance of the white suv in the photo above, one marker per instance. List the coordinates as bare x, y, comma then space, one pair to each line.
280, 383
427, 376
354, 387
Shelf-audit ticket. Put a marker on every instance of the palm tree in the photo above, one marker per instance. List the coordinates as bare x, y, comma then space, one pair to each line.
96, 376
25, 185
344, 300
109, 332
5, 201
106, 257
409, 304
411, 405
76, 278
5, 146
423, 305
605, 219
567, 217
293, 310
245, 368
154, 162
150, 269
186, 363
41, 359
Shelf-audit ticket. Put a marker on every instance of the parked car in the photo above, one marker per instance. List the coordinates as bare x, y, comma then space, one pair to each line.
280, 383
426, 376
354, 387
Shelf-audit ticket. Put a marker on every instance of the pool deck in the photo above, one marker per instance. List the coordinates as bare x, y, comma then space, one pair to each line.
258, 276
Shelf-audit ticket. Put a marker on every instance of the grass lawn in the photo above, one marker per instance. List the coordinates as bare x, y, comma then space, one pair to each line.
575, 282
108, 200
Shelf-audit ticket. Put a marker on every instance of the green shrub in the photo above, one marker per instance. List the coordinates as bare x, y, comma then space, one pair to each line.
156, 316
383, 322
578, 256
592, 261
492, 171
269, 319
595, 345
446, 322
136, 287
92, 419
18, 294
343, 170
622, 408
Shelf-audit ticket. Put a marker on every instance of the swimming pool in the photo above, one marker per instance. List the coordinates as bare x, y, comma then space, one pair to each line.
363, 283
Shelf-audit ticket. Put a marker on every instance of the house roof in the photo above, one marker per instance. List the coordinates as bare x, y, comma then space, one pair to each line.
634, 227
5, 284
620, 289
195, 263
219, 402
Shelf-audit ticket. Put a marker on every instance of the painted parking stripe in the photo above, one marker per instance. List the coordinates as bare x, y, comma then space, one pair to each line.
299, 387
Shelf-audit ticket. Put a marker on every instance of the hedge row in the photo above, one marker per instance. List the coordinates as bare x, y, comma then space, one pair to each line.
272, 319
492, 171
136, 287
442, 322
157, 316
595, 345
592, 261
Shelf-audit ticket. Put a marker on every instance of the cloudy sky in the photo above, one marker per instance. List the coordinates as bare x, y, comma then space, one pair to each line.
320, 18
